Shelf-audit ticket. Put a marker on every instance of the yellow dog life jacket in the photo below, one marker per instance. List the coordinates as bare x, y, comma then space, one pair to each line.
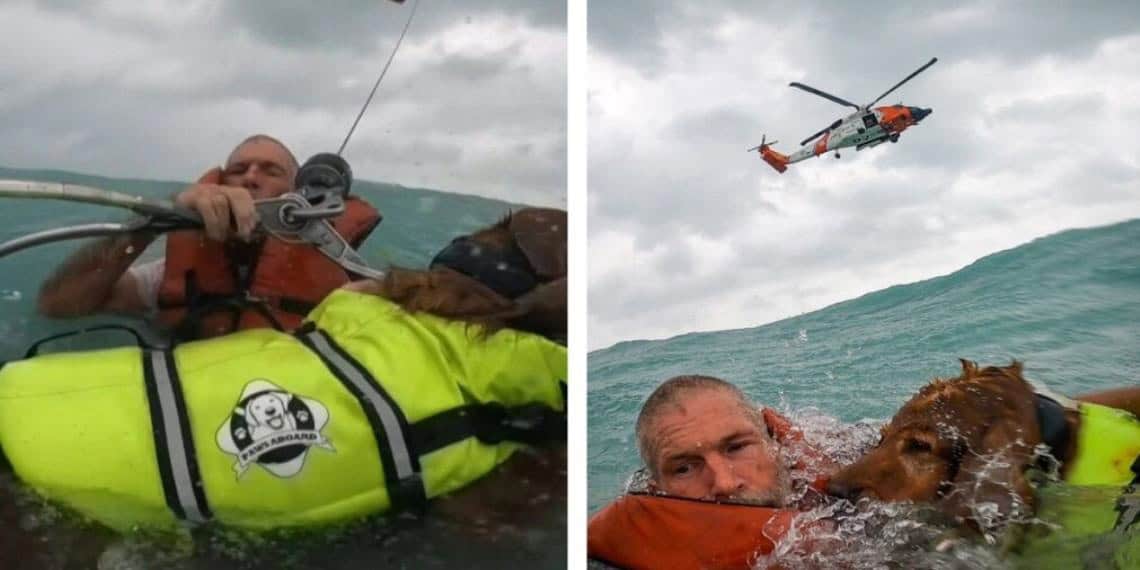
1109, 443
368, 408
1091, 524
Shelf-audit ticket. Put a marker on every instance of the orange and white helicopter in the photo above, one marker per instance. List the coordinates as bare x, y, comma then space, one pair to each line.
864, 128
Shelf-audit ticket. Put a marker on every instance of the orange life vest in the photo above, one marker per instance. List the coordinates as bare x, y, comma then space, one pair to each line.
655, 531
205, 292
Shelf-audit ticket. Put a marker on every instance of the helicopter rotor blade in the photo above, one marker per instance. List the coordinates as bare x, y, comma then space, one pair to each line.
899, 84
827, 96
823, 130
813, 137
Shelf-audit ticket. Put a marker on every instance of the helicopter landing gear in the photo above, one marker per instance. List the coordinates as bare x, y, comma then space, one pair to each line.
837, 154
895, 138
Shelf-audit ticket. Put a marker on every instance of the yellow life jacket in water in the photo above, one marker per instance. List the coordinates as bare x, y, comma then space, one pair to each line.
367, 408
1091, 521
1094, 521
1108, 445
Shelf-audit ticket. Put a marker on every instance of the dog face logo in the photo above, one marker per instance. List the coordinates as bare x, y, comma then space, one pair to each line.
268, 411
274, 429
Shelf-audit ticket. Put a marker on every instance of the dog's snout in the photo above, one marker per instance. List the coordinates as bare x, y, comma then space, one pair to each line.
844, 489
271, 411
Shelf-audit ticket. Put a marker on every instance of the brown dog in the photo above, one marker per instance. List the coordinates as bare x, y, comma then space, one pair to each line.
967, 442
958, 442
478, 280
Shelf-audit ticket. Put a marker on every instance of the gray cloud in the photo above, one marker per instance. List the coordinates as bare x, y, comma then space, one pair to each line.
713, 126
474, 102
357, 25
832, 40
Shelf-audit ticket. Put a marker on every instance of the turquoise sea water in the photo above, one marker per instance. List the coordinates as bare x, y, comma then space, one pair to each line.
1067, 305
516, 516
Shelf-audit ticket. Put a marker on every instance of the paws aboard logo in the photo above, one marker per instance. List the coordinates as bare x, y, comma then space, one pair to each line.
273, 428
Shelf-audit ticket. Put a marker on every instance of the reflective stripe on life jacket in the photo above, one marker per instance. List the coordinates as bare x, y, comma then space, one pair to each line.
208, 290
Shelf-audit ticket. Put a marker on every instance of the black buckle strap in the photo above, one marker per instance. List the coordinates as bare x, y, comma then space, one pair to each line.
190, 328
200, 304
490, 423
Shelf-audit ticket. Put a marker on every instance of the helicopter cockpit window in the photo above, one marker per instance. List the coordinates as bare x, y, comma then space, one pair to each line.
869, 120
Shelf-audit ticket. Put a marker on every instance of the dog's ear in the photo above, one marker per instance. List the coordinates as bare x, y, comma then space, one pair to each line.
1014, 369
543, 310
969, 368
250, 418
990, 487
541, 235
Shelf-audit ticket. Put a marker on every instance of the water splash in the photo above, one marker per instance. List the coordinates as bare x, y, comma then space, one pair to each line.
877, 535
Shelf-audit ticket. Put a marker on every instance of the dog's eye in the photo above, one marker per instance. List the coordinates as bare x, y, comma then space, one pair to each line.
917, 446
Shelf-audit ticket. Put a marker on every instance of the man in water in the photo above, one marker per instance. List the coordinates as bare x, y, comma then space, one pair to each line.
100, 277
701, 438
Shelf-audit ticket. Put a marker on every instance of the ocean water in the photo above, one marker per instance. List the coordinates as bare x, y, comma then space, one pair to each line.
1067, 305
515, 516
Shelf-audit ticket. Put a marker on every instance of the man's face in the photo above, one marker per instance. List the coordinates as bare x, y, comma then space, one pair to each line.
707, 447
262, 167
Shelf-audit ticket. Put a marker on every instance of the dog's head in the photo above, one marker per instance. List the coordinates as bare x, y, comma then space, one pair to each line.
267, 409
509, 275
964, 443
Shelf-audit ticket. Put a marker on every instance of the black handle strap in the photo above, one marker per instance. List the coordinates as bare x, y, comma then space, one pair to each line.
34, 349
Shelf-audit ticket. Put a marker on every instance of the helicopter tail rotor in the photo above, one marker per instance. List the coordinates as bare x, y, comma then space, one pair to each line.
763, 144
775, 159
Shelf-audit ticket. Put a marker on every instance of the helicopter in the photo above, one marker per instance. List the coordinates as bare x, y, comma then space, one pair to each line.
864, 128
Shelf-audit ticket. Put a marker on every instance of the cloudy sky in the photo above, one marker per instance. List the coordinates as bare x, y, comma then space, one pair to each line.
1036, 114
475, 101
